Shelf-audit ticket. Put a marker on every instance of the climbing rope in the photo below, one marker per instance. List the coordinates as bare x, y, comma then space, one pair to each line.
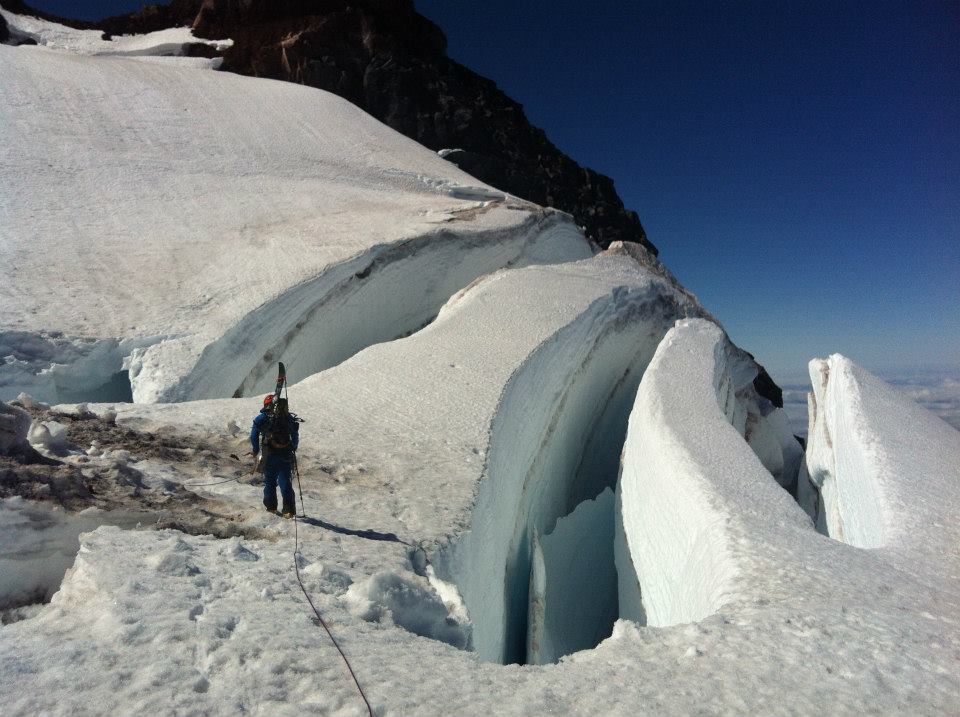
296, 567
234, 479
219, 482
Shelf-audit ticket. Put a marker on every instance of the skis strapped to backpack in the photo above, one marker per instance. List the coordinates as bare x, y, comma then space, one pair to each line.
281, 382
264, 437
277, 436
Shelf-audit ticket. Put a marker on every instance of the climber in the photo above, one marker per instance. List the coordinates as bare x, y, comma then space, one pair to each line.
274, 436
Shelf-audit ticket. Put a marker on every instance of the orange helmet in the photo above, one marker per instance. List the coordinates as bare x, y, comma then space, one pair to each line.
268, 399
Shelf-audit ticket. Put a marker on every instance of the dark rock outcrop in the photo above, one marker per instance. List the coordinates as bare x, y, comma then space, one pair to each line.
767, 387
391, 61
4, 30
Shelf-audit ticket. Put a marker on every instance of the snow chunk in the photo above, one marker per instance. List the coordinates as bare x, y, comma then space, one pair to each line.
408, 602
50, 436
14, 426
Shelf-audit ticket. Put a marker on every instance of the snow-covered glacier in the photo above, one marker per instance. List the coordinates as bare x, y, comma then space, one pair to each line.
179, 229
517, 449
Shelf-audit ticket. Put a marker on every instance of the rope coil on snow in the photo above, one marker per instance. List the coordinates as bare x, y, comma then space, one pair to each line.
296, 567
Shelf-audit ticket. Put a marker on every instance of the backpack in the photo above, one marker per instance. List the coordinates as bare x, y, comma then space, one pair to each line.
276, 437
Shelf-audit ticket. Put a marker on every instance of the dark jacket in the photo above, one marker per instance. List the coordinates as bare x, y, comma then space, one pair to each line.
260, 424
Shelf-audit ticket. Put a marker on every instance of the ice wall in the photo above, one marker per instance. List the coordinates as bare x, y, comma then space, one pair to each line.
684, 463
869, 449
573, 583
546, 451
386, 293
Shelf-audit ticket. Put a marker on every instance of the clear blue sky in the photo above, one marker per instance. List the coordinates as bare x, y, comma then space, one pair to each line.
796, 163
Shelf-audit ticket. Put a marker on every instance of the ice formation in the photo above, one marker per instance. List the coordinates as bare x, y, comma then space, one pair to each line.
685, 467
869, 481
559, 448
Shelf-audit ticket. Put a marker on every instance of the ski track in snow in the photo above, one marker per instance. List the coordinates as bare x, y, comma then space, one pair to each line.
445, 474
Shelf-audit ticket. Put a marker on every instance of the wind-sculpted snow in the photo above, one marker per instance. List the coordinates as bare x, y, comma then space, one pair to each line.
871, 454
182, 227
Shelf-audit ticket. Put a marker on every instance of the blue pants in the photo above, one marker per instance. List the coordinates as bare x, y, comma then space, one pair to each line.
278, 471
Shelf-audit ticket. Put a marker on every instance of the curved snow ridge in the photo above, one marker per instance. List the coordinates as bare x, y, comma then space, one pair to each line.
219, 202
688, 476
880, 469
554, 441
388, 292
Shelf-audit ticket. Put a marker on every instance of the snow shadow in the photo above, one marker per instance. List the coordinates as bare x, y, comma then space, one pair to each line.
365, 534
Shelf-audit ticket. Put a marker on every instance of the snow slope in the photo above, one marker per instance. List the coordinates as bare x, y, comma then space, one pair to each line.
52, 35
200, 223
457, 482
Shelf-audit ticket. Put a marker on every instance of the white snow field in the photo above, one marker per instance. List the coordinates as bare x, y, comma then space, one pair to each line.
514, 448
166, 232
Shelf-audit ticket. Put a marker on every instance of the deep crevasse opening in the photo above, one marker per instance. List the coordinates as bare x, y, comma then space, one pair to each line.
555, 446
38, 544
386, 294
58, 369
555, 443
